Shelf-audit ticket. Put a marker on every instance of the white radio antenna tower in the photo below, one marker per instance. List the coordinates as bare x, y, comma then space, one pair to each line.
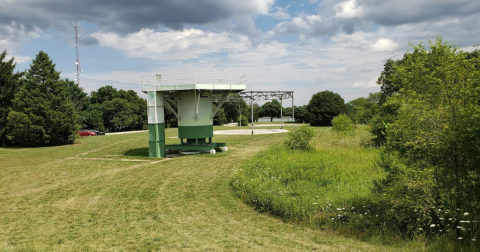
77, 63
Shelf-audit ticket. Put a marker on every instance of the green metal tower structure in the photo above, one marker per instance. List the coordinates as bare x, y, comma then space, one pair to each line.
195, 111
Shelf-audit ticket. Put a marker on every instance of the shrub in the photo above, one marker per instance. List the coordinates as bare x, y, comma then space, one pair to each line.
343, 123
300, 138
243, 120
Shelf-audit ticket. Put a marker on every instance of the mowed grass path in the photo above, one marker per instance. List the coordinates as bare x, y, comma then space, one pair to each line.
103, 193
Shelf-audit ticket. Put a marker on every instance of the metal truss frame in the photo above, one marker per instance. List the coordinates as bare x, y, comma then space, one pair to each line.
262, 96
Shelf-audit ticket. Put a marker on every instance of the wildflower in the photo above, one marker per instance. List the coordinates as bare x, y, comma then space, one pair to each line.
462, 221
420, 229
353, 208
315, 203
466, 214
439, 210
450, 219
338, 209
441, 218
459, 227
473, 239
460, 238
432, 226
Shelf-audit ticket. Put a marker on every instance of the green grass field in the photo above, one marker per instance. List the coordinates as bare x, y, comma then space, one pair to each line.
104, 194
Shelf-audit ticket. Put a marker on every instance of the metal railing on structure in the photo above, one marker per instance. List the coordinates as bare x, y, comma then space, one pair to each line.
175, 79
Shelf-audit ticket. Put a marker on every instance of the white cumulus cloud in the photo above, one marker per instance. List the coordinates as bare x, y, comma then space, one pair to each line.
348, 9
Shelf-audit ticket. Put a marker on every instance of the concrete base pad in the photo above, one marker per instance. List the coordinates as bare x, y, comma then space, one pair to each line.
249, 132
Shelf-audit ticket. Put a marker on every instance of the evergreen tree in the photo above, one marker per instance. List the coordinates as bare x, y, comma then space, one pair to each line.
10, 83
42, 112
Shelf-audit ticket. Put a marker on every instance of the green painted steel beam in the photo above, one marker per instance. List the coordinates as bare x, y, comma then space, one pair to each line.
191, 147
202, 131
156, 140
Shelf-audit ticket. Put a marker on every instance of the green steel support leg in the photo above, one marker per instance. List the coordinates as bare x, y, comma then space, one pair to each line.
156, 138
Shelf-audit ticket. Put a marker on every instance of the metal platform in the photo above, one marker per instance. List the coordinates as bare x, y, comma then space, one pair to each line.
215, 82
194, 93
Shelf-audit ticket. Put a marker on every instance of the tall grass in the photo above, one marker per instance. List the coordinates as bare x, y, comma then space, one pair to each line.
305, 185
331, 187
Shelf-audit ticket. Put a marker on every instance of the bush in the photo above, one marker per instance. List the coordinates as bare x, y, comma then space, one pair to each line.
243, 120
342, 123
300, 138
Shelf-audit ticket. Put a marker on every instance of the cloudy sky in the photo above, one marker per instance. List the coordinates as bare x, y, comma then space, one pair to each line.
305, 46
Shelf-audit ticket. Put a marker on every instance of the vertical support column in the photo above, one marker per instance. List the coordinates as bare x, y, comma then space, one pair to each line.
239, 115
251, 105
293, 114
156, 125
281, 113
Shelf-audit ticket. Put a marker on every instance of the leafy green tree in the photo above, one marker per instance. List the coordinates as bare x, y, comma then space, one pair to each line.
242, 120
323, 107
92, 117
374, 97
109, 109
385, 114
42, 112
433, 143
103, 94
301, 114
362, 110
219, 118
119, 114
271, 109
10, 84
231, 108
386, 80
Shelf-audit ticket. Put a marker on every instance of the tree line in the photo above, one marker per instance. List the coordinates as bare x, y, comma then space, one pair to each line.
38, 108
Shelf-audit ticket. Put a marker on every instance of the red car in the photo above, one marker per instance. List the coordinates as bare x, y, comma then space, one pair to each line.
86, 133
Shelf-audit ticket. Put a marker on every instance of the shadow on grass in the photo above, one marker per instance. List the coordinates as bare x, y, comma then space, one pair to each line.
138, 152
